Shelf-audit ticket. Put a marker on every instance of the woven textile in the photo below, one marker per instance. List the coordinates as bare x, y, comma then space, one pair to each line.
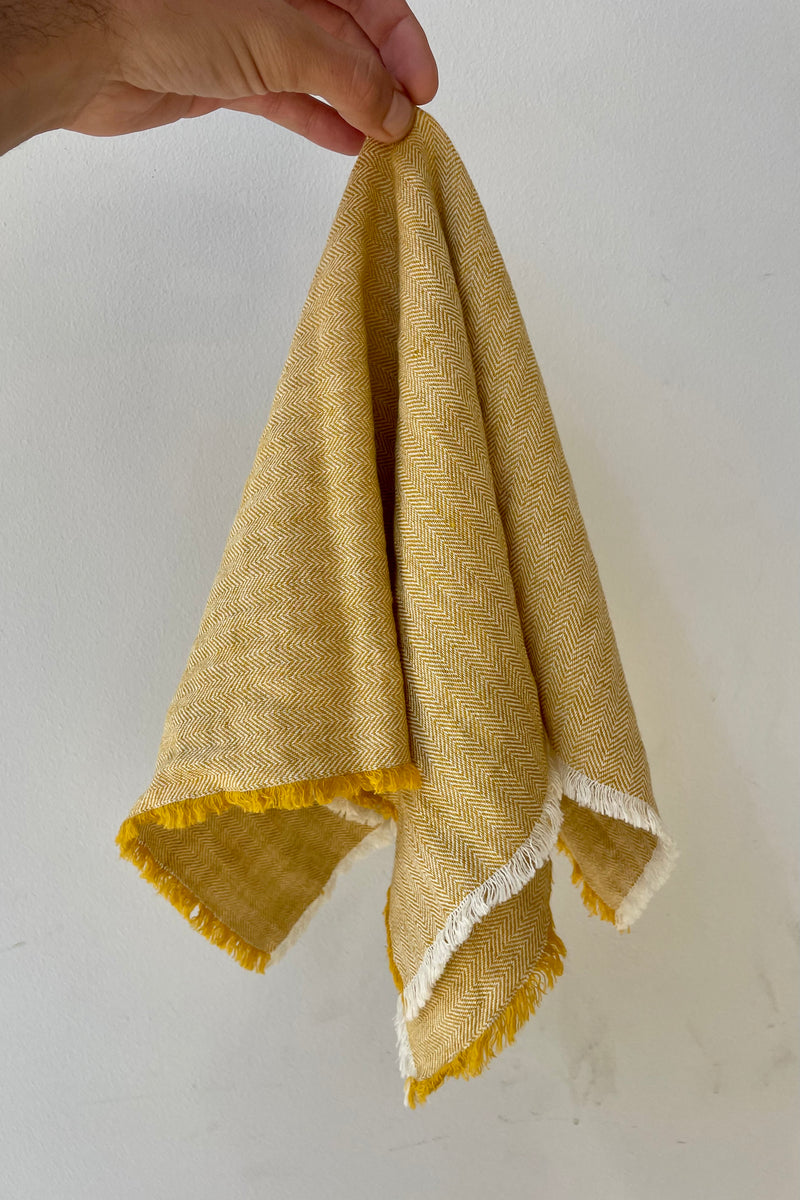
407, 639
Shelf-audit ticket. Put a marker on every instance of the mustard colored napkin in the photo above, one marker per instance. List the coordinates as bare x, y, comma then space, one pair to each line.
407, 639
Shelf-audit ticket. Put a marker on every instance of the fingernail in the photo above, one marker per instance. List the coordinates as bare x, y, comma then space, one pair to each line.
399, 118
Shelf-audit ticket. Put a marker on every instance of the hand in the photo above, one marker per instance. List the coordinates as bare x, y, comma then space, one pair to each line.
169, 59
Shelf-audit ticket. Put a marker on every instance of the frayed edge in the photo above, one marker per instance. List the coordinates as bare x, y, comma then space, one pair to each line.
508, 880
608, 802
656, 873
396, 976
364, 787
350, 811
501, 885
589, 896
503, 1029
344, 793
197, 914
404, 1053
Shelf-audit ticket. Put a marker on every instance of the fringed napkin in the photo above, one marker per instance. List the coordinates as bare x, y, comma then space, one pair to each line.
407, 638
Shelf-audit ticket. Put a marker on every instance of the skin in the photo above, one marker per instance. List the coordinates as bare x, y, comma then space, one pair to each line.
332, 71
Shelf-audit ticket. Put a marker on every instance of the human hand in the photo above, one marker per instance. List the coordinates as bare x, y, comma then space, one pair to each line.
169, 59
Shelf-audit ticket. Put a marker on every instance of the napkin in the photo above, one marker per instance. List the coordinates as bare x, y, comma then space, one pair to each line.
407, 643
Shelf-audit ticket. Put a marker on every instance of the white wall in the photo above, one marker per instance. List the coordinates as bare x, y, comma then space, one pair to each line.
639, 164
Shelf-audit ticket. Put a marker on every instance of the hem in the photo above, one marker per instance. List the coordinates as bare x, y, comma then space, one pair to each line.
345, 794
608, 802
507, 881
501, 1031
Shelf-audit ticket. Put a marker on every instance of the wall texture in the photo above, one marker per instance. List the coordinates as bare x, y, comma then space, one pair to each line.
639, 165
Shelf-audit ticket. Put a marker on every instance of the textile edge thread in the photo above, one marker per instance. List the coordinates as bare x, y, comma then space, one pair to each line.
506, 882
503, 1029
343, 792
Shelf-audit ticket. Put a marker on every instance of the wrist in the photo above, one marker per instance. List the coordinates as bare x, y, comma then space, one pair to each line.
52, 61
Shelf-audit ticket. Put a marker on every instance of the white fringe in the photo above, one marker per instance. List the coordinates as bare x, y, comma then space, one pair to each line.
501, 885
408, 1068
504, 883
607, 800
384, 831
343, 806
601, 798
653, 877
509, 879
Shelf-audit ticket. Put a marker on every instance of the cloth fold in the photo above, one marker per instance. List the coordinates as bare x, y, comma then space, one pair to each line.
407, 640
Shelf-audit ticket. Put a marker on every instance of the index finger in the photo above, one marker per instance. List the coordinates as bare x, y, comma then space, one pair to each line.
401, 42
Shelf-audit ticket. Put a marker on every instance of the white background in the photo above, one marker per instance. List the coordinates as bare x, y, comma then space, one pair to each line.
639, 165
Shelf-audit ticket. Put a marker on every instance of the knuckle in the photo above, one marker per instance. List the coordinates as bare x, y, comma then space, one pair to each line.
367, 85
342, 24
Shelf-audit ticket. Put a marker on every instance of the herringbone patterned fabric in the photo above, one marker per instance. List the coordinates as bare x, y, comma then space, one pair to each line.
407, 634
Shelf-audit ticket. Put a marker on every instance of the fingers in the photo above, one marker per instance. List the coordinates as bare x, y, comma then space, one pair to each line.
301, 114
280, 58
334, 21
350, 77
401, 42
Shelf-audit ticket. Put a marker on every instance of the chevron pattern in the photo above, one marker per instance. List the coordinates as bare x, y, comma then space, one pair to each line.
407, 616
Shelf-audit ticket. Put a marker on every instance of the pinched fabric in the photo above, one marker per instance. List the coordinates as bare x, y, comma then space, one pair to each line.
407, 641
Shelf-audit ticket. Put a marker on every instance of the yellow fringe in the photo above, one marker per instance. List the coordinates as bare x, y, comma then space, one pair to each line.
363, 787
196, 913
502, 1030
591, 900
396, 976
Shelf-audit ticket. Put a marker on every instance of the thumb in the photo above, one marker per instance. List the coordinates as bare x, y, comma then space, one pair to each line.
352, 78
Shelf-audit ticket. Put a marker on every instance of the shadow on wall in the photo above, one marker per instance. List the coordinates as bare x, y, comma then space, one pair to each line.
709, 971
